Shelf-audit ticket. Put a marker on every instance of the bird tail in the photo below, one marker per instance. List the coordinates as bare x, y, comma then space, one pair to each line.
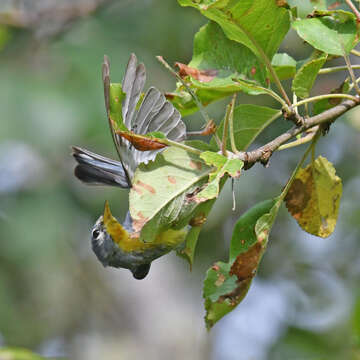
95, 169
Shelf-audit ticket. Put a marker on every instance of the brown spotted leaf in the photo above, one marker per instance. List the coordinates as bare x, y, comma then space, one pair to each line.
314, 198
226, 284
160, 198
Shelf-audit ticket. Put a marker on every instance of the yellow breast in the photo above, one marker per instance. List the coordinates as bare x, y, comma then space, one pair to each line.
169, 238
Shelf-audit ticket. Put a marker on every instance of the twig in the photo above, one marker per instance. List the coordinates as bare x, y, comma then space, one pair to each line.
354, 9
351, 72
263, 153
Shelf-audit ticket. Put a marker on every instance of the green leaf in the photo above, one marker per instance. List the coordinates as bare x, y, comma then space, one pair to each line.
249, 121
226, 284
213, 50
244, 234
223, 166
284, 66
333, 32
161, 196
188, 250
305, 7
237, 19
306, 76
314, 198
227, 60
218, 282
116, 98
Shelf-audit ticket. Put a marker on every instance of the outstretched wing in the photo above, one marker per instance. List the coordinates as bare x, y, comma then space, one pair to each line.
155, 114
133, 84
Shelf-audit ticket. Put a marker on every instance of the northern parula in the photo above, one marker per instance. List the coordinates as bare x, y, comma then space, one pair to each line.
113, 243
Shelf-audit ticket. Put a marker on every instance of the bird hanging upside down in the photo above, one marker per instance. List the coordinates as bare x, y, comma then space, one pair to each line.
116, 244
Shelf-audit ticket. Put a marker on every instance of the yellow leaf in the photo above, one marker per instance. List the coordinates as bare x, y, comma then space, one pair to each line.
314, 197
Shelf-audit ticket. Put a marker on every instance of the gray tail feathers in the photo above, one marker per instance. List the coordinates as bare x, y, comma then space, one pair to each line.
95, 169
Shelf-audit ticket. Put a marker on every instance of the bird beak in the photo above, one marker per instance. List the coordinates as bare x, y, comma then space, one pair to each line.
113, 227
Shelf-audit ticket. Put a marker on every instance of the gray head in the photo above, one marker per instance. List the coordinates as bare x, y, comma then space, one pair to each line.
109, 253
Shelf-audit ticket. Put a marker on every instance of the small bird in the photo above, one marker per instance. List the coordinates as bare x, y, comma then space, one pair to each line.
116, 244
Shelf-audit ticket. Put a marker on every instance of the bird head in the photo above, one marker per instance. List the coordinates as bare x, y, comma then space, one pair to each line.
108, 237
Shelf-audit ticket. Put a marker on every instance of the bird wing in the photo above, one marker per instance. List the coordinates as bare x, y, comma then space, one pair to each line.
155, 114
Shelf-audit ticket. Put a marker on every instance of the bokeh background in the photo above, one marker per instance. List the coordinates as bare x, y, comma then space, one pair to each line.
56, 298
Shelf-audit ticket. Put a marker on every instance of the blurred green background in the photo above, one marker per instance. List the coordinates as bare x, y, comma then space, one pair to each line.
56, 298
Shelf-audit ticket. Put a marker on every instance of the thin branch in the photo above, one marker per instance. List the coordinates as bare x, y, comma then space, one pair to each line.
264, 153
354, 9
351, 72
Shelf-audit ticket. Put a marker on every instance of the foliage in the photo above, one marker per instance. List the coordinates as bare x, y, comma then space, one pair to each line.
237, 51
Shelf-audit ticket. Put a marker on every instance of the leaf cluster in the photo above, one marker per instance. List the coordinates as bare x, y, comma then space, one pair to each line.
238, 51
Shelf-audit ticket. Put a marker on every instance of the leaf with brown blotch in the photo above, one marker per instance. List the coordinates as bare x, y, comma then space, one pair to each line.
246, 263
314, 198
201, 75
141, 142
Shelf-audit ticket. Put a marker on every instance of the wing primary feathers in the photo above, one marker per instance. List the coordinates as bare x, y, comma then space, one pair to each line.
132, 86
106, 82
155, 114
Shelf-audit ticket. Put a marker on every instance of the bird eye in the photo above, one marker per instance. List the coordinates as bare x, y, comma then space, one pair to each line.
95, 234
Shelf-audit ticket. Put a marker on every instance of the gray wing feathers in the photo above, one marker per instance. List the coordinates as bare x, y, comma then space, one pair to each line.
132, 86
155, 114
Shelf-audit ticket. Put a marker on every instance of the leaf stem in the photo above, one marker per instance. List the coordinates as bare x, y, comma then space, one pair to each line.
226, 129
268, 65
273, 94
355, 52
326, 96
300, 141
231, 126
179, 145
333, 69
298, 166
